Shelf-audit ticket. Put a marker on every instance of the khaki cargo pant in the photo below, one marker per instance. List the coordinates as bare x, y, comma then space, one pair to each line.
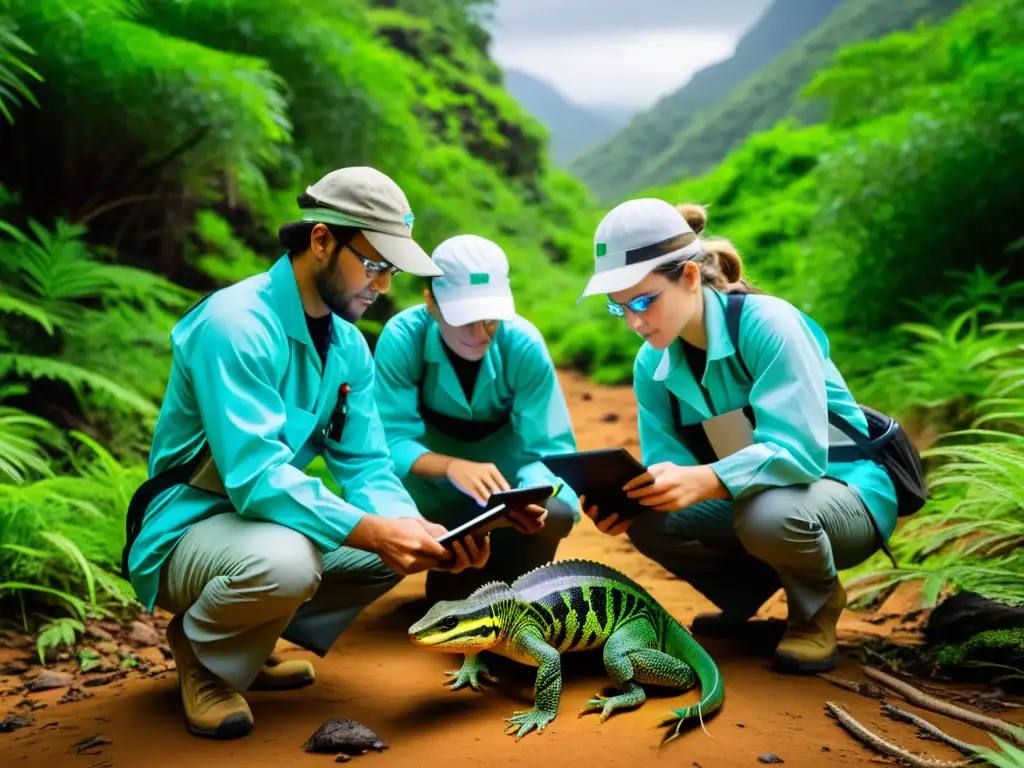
242, 584
738, 554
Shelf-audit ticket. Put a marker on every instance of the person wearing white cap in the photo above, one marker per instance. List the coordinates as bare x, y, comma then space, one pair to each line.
229, 534
470, 402
749, 487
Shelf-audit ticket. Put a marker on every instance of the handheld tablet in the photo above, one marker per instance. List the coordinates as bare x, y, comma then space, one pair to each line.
498, 506
599, 475
462, 531
517, 498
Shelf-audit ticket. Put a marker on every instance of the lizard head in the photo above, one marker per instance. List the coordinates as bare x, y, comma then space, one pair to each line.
473, 623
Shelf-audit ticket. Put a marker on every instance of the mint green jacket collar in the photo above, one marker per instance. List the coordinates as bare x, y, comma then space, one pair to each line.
284, 289
674, 369
433, 352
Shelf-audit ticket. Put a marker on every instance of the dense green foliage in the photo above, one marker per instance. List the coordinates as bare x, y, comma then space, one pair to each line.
681, 137
149, 150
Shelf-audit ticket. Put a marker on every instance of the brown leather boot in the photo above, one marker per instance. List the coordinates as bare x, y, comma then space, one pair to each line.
811, 646
277, 675
212, 709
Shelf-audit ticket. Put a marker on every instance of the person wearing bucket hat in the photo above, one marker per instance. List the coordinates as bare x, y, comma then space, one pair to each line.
756, 479
230, 534
470, 403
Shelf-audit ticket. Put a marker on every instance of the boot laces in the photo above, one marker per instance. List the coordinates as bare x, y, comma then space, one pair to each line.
208, 689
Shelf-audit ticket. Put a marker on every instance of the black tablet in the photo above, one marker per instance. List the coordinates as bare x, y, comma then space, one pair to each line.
498, 506
518, 498
462, 531
599, 475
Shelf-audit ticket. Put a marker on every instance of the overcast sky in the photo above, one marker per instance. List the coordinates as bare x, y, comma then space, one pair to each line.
618, 52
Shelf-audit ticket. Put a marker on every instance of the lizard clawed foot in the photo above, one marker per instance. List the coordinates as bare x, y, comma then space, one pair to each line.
527, 721
471, 673
608, 704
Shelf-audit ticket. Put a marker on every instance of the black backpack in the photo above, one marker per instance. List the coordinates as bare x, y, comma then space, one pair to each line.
887, 443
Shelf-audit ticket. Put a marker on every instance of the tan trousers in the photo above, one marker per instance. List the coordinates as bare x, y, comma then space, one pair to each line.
242, 584
738, 554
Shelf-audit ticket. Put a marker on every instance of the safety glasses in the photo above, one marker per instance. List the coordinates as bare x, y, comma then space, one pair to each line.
374, 267
636, 305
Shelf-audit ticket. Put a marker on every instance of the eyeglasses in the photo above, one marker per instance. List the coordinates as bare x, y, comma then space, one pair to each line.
639, 304
374, 267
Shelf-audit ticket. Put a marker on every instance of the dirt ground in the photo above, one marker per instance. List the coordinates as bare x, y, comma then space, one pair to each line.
374, 675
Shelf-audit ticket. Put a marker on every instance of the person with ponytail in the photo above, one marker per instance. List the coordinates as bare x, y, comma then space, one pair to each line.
747, 488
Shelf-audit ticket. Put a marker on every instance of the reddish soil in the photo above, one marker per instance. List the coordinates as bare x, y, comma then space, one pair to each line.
374, 675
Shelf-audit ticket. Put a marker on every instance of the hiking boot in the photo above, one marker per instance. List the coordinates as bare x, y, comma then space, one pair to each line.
278, 675
811, 646
212, 709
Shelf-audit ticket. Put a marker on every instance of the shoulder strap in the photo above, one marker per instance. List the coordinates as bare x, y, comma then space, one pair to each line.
733, 315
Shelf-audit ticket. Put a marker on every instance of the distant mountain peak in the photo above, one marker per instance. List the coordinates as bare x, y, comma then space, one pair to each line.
573, 127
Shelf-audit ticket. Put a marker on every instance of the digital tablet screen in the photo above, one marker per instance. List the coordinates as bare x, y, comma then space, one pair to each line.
599, 475
518, 498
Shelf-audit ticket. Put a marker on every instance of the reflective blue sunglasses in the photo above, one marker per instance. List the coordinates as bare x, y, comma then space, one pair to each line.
639, 304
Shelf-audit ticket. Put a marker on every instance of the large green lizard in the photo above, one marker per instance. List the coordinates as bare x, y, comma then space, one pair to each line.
572, 606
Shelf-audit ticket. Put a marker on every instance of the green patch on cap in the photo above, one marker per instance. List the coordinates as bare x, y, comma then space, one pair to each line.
602, 249
479, 278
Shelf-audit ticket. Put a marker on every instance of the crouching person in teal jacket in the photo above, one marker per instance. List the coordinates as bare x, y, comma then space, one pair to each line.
753, 488
470, 402
229, 534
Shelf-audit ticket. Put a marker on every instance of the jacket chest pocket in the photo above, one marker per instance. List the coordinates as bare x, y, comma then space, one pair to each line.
299, 426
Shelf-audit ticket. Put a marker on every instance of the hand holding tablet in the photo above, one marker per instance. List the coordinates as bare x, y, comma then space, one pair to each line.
500, 506
599, 477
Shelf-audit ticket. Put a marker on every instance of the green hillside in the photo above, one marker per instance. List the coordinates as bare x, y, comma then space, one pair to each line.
678, 138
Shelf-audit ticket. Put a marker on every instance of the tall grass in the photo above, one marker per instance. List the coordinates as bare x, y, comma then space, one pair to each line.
970, 535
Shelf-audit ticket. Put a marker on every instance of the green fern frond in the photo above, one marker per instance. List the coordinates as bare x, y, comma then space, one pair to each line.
12, 305
34, 367
22, 439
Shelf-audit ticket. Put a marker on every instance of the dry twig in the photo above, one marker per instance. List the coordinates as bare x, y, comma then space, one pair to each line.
901, 715
870, 690
923, 700
879, 744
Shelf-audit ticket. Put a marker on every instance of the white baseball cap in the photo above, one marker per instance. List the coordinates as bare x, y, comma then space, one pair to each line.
635, 237
475, 284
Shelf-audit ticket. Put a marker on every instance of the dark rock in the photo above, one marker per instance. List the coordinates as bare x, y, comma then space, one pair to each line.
73, 694
344, 737
88, 746
14, 722
142, 635
99, 633
610, 417
15, 668
770, 758
49, 679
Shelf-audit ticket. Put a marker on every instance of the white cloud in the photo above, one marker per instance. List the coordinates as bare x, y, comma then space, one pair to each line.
631, 69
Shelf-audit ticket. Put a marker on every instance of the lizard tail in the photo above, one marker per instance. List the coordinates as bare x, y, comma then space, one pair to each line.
685, 647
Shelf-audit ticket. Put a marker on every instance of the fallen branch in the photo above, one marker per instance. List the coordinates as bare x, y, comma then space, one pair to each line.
902, 716
879, 744
923, 700
870, 690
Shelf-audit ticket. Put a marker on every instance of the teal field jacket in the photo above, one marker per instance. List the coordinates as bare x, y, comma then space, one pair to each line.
516, 376
795, 383
245, 375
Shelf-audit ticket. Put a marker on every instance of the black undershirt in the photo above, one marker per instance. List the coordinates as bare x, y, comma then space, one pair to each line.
697, 359
466, 370
320, 333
